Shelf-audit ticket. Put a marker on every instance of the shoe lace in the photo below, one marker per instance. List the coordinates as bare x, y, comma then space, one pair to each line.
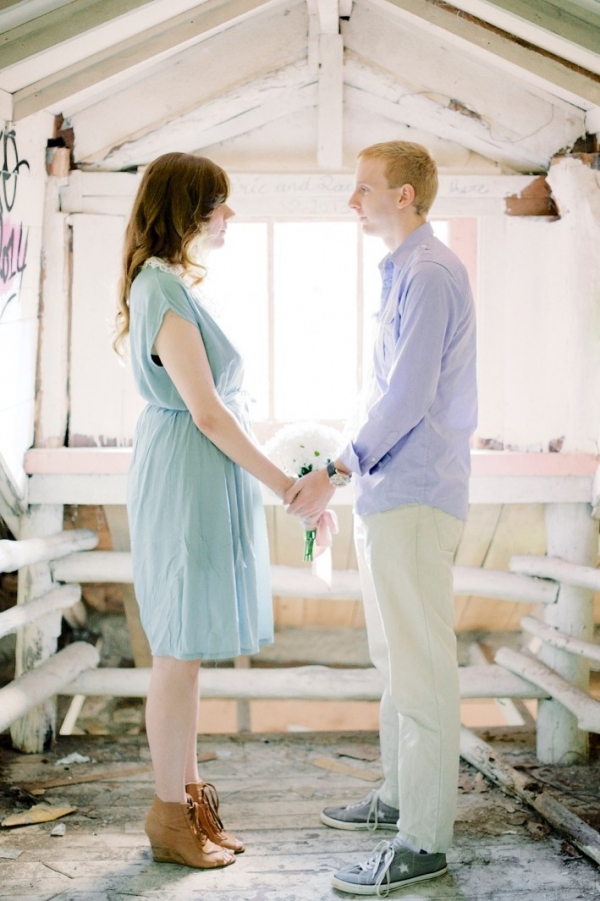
373, 813
381, 859
195, 825
207, 812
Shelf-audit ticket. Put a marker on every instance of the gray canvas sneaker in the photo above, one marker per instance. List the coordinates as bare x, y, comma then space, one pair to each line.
390, 867
369, 814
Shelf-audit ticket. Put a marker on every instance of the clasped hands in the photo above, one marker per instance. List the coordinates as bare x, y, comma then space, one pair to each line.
309, 496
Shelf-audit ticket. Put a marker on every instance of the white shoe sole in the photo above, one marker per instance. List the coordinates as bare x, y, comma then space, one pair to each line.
353, 889
356, 827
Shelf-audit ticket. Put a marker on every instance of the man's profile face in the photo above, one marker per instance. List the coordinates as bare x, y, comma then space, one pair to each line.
374, 202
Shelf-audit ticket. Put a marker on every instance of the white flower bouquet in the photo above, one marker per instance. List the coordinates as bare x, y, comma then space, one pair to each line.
301, 448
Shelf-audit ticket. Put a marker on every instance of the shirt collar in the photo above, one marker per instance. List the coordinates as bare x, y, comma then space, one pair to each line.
400, 256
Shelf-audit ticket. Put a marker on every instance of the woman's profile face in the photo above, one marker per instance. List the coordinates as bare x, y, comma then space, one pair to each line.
214, 236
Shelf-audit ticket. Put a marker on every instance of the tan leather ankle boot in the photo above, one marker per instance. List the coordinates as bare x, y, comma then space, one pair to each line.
176, 837
206, 801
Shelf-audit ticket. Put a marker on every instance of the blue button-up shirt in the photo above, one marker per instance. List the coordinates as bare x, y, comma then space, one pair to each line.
413, 444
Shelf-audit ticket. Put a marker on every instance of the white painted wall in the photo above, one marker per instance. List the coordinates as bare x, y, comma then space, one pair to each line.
539, 320
538, 312
22, 207
104, 403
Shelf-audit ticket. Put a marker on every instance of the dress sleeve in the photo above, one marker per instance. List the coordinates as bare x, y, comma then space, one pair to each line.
164, 292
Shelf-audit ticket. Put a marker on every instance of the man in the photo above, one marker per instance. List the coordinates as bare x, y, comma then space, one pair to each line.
410, 461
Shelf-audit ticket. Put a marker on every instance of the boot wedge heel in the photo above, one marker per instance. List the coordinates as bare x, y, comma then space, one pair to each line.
176, 837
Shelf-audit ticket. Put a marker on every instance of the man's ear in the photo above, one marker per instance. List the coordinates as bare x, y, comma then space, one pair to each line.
406, 196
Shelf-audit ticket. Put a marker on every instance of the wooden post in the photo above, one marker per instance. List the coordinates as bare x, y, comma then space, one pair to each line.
572, 535
34, 732
116, 517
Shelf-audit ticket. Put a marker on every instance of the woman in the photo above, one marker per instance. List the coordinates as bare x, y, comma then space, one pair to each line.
198, 535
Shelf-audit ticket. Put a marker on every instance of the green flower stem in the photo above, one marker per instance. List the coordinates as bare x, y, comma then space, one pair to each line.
309, 541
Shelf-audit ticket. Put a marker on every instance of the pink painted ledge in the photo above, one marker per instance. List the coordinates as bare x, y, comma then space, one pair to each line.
115, 461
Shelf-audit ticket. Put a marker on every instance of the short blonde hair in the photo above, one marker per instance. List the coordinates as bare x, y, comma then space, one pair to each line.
408, 163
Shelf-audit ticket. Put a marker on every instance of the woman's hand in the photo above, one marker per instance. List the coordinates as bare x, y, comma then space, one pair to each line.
309, 496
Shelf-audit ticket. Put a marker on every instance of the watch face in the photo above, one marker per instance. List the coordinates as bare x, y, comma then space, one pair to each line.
340, 479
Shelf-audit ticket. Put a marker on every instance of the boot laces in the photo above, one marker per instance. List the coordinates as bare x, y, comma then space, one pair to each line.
207, 814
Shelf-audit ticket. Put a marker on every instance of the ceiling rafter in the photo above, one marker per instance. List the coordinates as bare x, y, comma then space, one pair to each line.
246, 51
233, 113
176, 35
569, 31
506, 118
487, 42
330, 119
62, 24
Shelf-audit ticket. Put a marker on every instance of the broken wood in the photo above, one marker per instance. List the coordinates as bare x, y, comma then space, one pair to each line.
560, 640
39, 813
575, 700
535, 200
46, 680
493, 765
555, 568
307, 683
61, 598
108, 776
346, 769
15, 554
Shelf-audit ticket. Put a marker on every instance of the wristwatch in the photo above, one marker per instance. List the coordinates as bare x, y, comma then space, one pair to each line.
337, 478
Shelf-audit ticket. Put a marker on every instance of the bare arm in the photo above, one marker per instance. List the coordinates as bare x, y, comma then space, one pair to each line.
182, 353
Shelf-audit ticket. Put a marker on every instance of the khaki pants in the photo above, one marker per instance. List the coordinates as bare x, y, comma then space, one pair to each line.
405, 560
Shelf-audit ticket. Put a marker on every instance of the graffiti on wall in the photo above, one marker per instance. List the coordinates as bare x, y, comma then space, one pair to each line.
13, 232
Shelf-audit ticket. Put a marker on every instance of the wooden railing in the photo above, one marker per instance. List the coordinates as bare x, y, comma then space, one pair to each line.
67, 558
50, 670
567, 484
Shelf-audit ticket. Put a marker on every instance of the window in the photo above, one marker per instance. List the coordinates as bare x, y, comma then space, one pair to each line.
297, 299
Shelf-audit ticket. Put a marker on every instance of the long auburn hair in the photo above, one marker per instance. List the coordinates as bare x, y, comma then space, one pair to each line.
174, 202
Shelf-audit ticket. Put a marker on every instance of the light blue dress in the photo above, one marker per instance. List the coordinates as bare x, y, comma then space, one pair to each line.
197, 524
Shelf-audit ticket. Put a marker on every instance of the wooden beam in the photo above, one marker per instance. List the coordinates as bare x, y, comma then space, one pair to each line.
6, 106
584, 708
37, 642
16, 617
15, 554
418, 111
484, 41
567, 30
12, 502
329, 14
265, 43
60, 25
554, 568
304, 682
561, 640
331, 101
401, 72
46, 680
289, 581
493, 765
572, 535
259, 102
178, 33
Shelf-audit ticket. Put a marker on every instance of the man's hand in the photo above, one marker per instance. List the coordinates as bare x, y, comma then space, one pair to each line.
309, 496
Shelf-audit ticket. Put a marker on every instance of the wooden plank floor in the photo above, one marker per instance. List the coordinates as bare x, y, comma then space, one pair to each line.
271, 794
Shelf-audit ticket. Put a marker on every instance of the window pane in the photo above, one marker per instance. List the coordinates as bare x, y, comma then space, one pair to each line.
237, 284
315, 266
